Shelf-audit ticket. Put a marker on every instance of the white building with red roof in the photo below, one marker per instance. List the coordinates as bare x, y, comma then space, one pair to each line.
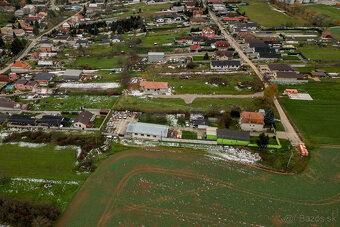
149, 87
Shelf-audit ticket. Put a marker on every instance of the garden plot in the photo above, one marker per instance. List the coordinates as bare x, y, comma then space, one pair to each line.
227, 153
89, 86
300, 96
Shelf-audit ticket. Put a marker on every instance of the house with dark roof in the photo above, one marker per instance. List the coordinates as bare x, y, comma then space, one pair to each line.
201, 123
54, 121
43, 78
117, 39
224, 65
287, 77
281, 68
222, 55
232, 137
84, 120
3, 118
22, 119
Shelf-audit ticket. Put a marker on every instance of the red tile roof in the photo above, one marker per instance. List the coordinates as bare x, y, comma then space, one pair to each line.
153, 85
252, 118
195, 47
21, 64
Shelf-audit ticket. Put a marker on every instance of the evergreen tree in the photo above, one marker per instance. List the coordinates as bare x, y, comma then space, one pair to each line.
262, 142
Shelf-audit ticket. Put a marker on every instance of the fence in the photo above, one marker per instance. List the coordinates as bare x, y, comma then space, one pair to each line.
189, 141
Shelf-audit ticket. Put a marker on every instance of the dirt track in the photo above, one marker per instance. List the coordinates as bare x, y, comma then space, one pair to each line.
111, 208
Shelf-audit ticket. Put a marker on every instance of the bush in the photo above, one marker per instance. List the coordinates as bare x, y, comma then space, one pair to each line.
16, 212
219, 81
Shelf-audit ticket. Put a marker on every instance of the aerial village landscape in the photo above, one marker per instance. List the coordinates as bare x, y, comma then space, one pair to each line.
169, 113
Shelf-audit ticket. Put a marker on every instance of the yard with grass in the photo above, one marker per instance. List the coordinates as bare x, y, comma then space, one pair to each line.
5, 18
204, 84
43, 161
318, 120
264, 14
189, 135
30, 167
74, 102
317, 53
329, 11
171, 187
100, 62
172, 105
162, 38
335, 31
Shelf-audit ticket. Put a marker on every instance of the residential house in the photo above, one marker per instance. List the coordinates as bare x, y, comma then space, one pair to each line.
195, 48
148, 131
196, 115
117, 39
54, 121
177, 8
46, 47
19, 32
149, 87
287, 77
281, 68
6, 103
221, 45
81, 42
4, 78
208, 33
155, 57
196, 21
223, 55
20, 84
159, 19
45, 63
201, 124
72, 74
3, 118
20, 67
197, 13
85, 119
43, 78
29, 9
251, 121
190, 5
22, 119
224, 65
19, 13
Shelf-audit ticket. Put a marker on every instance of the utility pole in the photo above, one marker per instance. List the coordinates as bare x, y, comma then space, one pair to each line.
291, 155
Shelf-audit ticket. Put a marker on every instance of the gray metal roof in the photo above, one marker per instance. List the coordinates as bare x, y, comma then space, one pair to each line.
233, 134
72, 72
148, 129
156, 53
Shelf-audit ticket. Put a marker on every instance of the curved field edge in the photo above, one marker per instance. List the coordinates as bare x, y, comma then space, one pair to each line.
138, 187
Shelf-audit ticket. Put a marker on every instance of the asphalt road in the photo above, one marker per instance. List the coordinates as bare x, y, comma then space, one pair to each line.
32, 44
291, 134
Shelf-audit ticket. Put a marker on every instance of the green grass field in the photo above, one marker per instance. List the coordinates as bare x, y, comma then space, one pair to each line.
101, 63
164, 188
189, 135
263, 13
318, 120
335, 32
74, 102
44, 162
329, 11
197, 84
5, 18
178, 105
316, 53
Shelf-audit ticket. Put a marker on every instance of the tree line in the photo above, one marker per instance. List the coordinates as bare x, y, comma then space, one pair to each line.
15, 212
